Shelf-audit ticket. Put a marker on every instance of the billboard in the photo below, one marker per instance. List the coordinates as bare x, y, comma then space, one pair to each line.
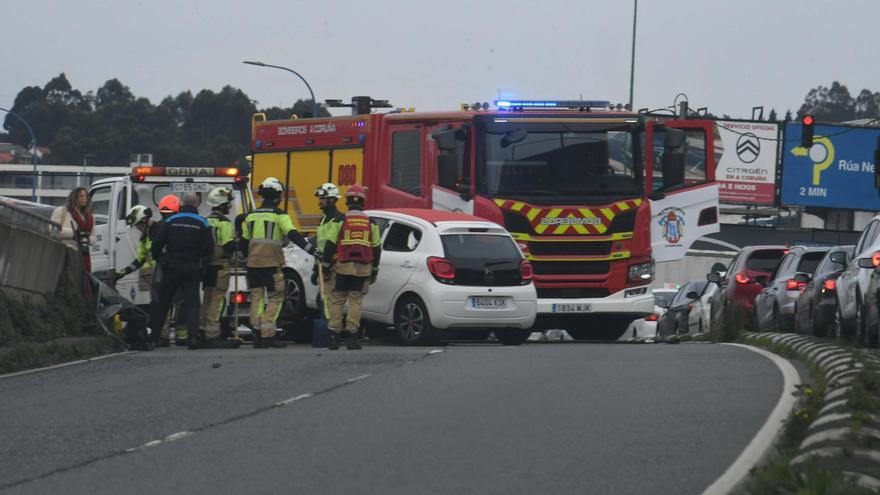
836, 172
746, 173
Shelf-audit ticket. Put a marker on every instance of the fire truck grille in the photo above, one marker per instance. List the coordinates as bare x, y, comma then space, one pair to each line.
569, 248
570, 267
572, 293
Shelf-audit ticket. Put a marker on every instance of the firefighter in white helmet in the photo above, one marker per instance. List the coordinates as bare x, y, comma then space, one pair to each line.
328, 195
262, 233
216, 280
353, 246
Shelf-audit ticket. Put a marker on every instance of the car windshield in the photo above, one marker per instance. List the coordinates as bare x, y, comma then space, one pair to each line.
764, 260
149, 195
810, 261
556, 160
663, 299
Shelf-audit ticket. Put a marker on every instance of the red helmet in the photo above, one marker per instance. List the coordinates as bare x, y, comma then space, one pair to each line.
169, 204
356, 191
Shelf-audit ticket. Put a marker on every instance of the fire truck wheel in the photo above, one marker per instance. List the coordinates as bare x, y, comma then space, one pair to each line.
412, 322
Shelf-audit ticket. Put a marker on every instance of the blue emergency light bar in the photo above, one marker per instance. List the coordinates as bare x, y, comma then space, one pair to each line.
511, 104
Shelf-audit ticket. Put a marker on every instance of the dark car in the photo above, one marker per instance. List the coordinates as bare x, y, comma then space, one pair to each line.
675, 319
775, 304
749, 271
817, 303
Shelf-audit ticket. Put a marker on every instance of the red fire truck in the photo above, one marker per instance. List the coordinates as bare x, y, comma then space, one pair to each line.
594, 196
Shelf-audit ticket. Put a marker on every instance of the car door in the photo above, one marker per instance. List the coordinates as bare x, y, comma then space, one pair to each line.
397, 265
682, 214
102, 197
848, 282
766, 300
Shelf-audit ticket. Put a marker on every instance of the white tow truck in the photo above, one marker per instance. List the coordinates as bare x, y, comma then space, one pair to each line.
116, 243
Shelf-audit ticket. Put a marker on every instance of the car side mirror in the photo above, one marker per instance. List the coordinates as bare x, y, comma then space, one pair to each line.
714, 277
692, 295
838, 257
866, 263
719, 267
802, 278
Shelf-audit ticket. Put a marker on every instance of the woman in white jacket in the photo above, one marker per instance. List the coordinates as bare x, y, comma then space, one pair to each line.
77, 223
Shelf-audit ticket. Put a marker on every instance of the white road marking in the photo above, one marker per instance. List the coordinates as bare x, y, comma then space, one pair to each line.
435, 351
177, 436
293, 399
357, 378
63, 365
763, 440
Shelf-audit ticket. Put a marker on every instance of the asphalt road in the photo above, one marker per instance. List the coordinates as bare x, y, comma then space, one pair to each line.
540, 418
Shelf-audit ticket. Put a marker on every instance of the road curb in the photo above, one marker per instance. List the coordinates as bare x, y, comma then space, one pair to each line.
837, 436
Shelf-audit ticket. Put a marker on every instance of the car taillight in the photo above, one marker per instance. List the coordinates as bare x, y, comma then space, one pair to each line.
742, 278
652, 317
525, 271
792, 284
875, 259
442, 269
239, 298
831, 284
691, 305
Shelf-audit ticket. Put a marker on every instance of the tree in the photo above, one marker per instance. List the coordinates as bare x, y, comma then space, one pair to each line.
788, 116
832, 104
867, 105
772, 117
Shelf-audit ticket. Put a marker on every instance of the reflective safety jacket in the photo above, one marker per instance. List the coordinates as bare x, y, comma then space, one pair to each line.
355, 239
224, 239
263, 230
336, 238
326, 229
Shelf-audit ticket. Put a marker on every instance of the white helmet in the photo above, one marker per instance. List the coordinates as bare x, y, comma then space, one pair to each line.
327, 190
272, 183
137, 214
219, 196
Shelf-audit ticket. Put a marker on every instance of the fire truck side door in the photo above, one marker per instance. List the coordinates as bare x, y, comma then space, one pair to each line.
683, 213
402, 174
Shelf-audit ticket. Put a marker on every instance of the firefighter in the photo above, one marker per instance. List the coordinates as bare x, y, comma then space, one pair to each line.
182, 245
217, 271
169, 205
141, 218
355, 244
263, 231
328, 195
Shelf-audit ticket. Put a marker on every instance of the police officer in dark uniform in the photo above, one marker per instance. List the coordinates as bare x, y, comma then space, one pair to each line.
181, 246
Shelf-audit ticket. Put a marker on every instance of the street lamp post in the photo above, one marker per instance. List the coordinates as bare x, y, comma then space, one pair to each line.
295, 73
632, 59
33, 151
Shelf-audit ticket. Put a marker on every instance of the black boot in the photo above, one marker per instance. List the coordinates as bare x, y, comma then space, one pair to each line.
354, 343
181, 342
334, 341
270, 342
218, 343
193, 343
160, 342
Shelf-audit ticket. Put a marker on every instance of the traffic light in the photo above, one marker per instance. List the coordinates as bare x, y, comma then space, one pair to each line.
807, 122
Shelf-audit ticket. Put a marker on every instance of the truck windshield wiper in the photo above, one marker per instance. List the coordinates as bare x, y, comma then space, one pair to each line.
525, 190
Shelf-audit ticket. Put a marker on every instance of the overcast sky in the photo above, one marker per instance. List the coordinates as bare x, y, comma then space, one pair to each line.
726, 55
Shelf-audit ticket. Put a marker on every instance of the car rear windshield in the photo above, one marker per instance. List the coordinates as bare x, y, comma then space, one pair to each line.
663, 298
764, 260
809, 262
483, 259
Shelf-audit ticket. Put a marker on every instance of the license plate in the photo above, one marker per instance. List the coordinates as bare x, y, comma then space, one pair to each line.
488, 302
572, 308
190, 187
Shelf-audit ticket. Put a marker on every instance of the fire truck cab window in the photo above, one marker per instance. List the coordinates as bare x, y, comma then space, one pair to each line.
402, 237
695, 158
406, 161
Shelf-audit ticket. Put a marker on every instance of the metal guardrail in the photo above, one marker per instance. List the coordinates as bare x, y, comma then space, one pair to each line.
25, 217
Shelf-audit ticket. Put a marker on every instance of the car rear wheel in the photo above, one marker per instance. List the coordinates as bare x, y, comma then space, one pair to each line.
412, 322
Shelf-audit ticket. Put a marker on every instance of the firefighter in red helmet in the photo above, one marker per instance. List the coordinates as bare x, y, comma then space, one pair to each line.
354, 249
